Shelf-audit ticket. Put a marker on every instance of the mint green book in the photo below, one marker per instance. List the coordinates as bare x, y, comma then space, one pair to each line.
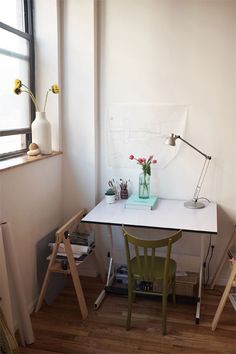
134, 202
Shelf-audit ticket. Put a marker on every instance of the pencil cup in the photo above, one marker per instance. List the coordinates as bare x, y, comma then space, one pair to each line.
124, 194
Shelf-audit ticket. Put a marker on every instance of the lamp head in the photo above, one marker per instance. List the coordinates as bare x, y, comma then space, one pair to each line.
171, 139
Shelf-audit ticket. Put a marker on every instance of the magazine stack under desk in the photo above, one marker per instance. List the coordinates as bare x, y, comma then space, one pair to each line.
82, 245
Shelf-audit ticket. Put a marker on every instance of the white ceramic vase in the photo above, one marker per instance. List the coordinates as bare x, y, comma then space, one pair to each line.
41, 133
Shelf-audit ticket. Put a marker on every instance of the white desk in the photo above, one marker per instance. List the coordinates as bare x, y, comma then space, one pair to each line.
168, 214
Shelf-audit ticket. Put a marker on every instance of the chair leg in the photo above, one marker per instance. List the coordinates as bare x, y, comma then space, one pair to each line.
164, 308
173, 290
133, 292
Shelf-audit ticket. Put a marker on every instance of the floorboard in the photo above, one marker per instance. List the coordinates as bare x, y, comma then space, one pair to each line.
59, 328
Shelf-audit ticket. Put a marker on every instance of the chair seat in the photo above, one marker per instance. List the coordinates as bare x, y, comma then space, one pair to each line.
157, 268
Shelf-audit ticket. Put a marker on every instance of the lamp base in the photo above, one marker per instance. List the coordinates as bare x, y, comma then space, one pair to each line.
194, 205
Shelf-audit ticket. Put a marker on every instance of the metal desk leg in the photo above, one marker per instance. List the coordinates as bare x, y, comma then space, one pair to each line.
110, 274
200, 281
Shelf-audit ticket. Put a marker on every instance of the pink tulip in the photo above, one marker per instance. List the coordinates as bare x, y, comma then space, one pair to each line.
145, 163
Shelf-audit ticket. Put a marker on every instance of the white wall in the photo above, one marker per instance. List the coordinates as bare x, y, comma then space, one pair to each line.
31, 201
79, 105
177, 52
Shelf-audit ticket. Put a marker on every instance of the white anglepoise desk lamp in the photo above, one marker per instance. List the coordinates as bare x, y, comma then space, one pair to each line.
194, 203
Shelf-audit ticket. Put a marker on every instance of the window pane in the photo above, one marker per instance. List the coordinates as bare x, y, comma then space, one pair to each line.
16, 62
14, 109
17, 46
12, 143
11, 13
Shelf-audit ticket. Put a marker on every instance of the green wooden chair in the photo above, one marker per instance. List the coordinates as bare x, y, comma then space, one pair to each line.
147, 266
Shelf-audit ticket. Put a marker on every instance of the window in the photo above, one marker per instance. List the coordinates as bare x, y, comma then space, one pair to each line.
16, 62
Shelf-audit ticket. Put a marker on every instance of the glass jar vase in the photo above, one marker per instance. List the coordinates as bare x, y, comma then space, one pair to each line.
144, 185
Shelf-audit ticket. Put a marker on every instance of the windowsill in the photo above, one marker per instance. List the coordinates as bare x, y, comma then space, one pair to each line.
24, 159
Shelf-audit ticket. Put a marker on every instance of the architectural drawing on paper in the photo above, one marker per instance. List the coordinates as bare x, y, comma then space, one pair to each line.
141, 129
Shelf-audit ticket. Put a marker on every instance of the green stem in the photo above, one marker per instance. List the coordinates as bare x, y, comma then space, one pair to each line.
32, 97
46, 98
145, 186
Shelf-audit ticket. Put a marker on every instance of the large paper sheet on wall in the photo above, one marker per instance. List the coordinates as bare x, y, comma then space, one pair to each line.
141, 130
6, 304
16, 289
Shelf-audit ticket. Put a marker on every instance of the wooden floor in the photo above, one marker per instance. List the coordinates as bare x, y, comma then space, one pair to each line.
58, 328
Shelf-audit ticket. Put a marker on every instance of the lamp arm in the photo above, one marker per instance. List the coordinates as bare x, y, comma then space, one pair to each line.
186, 142
194, 203
201, 179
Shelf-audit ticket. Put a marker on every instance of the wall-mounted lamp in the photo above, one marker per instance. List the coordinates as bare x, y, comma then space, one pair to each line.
194, 203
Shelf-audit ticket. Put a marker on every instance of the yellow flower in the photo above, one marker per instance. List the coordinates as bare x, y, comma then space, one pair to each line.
20, 87
17, 91
55, 88
18, 84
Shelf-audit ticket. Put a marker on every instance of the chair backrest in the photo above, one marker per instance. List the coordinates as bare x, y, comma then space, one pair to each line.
145, 252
